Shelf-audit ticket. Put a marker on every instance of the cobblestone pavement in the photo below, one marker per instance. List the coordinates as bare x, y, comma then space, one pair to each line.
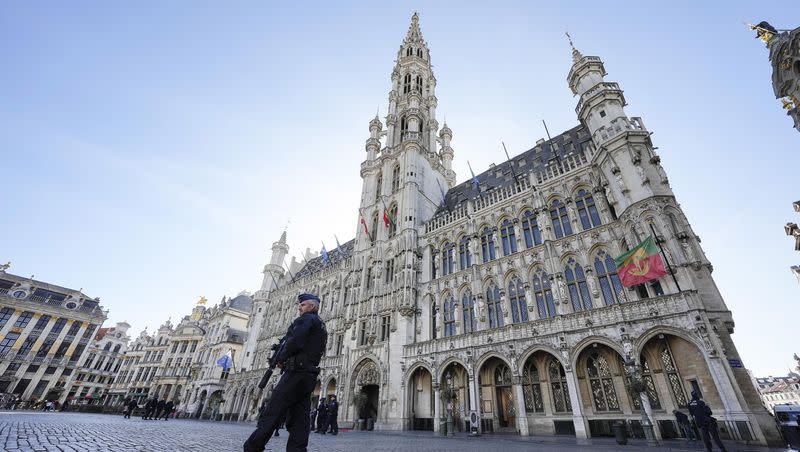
38, 431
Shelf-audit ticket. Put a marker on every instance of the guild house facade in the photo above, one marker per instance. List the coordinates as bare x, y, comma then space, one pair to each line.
496, 301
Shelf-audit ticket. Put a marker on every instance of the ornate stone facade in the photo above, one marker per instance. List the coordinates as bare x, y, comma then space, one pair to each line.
784, 56
500, 293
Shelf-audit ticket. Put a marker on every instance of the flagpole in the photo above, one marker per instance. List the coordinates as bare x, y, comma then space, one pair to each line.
288, 269
510, 163
669, 267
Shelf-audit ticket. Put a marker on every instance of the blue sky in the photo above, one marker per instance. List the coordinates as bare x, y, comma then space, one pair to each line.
152, 152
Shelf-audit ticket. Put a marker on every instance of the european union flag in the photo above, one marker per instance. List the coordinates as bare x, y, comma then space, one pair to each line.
324, 253
225, 361
474, 179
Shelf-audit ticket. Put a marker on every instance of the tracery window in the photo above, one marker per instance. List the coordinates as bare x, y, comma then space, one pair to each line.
532, 389
587, 211
495, 306
389, 271
516, 297
395, 178
558, 386
407, 83
606, 272
673, 377
601, 383
508, 238
433, 319
543, 294
448, 262
418, 84
464, 255
470, 322
487, 245
576, 283
449, 314
530, 229
558, 214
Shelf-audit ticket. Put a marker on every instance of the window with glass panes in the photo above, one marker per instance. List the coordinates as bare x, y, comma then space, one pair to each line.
587, 211
530, 229
495, 306
5, 314
41, 323
449, 315
470, 322
560, 219
386, 322
8, 342
516, 298
23, 319
73, 329
576, 284
487, 245
464, 255
606, 272
508, 238
543, 294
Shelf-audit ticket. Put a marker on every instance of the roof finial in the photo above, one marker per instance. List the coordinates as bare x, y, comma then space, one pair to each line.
576, 55
5, 267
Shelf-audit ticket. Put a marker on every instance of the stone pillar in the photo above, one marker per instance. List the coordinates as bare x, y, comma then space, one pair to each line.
578, 418
506, 304
437, 406
530, 299
522, 417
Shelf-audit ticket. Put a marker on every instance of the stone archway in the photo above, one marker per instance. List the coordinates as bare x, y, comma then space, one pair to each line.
456, 377
600, 371
367, 380
331, 387
545, 395
496, 396
421, 403
214, 406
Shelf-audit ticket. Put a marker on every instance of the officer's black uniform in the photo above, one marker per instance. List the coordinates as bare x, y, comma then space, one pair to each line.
333, 414
708, 425
301, 353
322, 416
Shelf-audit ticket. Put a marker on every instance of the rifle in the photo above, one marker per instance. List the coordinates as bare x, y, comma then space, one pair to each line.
273, 362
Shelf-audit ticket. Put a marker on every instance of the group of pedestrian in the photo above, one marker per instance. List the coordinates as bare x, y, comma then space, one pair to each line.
326, 416
703, 419
154, 409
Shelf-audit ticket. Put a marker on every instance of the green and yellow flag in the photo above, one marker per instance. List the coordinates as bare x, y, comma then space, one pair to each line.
640, 264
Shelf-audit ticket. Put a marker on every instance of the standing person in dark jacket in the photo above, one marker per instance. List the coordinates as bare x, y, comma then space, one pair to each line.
707, 424
132, 405
149, 408
300, 355
322, 416
313, 418
333, 414
168, 407
160, 409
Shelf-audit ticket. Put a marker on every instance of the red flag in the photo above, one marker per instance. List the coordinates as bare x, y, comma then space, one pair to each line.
385, 217
640, 264
364, 222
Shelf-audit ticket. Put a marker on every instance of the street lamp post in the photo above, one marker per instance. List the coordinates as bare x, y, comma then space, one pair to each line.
638, 387
450, 392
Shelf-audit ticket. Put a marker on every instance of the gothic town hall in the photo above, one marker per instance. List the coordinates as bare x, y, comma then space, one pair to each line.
501, 291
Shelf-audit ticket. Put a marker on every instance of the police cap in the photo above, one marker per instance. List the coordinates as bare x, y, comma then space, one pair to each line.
306, 297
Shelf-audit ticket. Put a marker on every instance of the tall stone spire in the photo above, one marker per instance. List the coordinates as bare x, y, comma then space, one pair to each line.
576, 54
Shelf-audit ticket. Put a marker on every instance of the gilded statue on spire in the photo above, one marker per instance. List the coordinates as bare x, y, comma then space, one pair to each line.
202, 301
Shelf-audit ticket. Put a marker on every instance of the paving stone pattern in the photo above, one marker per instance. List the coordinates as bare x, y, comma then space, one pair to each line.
39, 431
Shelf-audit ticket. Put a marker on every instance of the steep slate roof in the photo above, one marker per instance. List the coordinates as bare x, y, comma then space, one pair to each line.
532, 160
242, 303
336, 255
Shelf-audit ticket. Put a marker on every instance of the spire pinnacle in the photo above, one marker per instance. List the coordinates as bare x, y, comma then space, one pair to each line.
576, 55
283, 237
414, 32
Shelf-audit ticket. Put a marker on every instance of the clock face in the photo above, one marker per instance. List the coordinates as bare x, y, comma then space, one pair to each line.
19, 294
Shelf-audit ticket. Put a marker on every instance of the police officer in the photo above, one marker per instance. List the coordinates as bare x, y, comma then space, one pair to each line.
322, 415
333, 414
707, 424
303, 348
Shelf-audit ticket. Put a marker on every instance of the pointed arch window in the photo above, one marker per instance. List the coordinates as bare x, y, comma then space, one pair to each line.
576, 283
447, 258
407, 83
516, 297
395, 178
464, 255
543, 294
403, 124
378, 187
495, 306
470, 322
673, 378
449, 315
393, 221
389, 271
418, 84
558, 214
409, 51
530, 229
419, 53
558, 386
601, 383
374, 226
587, 211
606, 272
508, 237
487, 245
532, 389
